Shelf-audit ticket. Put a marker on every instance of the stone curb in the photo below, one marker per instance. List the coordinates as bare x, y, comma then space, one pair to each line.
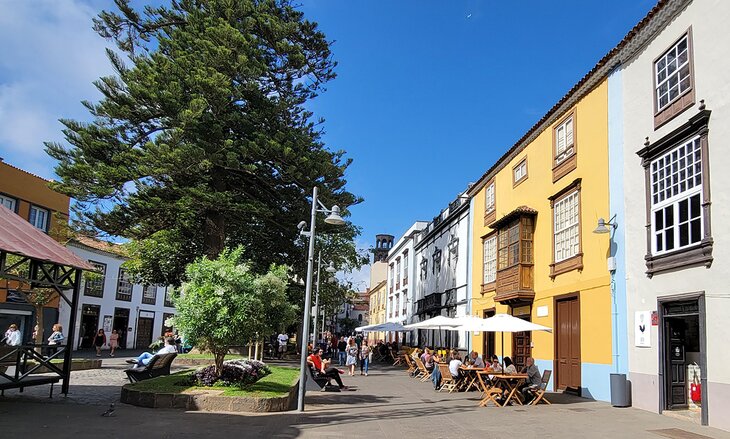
206, 401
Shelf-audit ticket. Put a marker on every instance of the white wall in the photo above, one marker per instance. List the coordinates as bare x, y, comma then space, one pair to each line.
405, 292
109, 302
708, 20
452, 232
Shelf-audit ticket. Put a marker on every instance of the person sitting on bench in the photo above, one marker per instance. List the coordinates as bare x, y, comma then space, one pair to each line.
323, 368
144, 359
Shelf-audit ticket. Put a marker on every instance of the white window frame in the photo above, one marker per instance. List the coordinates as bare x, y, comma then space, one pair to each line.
33, 216
671, 59
663, 197
405, 266
566, 226
520, 171
564, 140
397, 271
489, 202
489, 261
9, 202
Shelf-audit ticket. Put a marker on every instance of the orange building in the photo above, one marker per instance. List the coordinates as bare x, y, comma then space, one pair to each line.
29, 196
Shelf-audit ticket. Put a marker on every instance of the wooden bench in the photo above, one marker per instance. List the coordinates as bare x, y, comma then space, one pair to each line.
159, 365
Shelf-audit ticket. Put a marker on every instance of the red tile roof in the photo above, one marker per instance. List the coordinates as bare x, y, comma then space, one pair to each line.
18, 236
98, 244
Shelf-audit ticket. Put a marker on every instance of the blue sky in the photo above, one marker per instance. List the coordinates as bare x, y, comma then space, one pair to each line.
429, 93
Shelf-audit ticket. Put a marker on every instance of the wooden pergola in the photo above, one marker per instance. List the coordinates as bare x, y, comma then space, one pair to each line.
32, 259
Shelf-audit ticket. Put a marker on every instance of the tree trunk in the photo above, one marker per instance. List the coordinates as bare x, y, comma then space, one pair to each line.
39, 321
220, 356
215, 223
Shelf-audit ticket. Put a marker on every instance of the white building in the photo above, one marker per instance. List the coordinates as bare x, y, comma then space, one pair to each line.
401, 277
113, 302
669, 125
441, 263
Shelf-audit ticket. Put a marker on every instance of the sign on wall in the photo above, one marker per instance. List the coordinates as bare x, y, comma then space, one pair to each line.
107, 323
642, 329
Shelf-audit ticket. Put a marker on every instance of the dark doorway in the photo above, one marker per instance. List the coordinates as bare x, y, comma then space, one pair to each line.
89, 325
144, 332
121, 324
488, 344
567, 343
683, 355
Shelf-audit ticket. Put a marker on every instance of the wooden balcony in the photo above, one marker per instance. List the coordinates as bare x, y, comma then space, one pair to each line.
515, 285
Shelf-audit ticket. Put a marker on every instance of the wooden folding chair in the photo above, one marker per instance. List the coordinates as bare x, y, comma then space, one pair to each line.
398, 361
447, 380
489, 392
423, 373
539, 392
409, 362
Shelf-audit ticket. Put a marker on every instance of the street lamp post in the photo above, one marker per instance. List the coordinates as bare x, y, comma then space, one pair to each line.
316, 302
333, 217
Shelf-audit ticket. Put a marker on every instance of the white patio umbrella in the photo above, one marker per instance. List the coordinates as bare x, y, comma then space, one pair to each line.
503, 323
385, 327
434, 323
438, 322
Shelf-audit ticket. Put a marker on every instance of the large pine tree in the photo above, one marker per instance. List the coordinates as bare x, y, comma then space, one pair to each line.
201, 140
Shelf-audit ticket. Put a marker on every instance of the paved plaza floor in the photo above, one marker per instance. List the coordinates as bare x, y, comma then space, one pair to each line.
386, 404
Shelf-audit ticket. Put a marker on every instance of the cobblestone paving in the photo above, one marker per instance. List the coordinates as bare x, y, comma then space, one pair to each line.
94, 386
386, 404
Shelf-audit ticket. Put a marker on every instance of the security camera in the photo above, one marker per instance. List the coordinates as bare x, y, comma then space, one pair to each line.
302, 225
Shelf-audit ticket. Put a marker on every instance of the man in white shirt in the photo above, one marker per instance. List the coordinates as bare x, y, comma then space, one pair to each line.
455, 364
144, 359
283, 341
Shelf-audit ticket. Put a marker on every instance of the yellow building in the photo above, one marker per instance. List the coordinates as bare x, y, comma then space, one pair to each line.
534, 252
377, 296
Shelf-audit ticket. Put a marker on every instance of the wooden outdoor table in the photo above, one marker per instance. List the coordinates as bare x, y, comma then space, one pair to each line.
510, 383
470, 376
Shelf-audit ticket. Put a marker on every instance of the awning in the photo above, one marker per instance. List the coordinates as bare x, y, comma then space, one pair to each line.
18, 236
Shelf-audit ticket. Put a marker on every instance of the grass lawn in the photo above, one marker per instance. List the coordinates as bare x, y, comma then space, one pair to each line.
276, 384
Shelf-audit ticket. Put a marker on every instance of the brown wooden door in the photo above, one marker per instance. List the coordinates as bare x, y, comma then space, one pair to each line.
144, 332
521, 348
488, 346
568, 343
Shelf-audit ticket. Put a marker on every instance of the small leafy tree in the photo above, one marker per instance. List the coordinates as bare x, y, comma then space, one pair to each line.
224, 303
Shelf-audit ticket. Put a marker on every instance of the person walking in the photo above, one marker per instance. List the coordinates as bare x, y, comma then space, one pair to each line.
364, 357
352, 356
99, 341
113, 342
341, 351
283, 340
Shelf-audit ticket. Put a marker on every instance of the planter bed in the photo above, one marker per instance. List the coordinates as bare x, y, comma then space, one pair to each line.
266, 395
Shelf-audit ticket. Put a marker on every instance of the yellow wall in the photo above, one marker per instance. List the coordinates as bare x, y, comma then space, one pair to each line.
593, 282
29, 189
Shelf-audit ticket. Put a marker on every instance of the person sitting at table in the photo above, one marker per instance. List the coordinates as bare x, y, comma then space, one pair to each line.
495, 366
509, 366
476, 360
455, 364
534, 379
436, 374
427, 359
323, 368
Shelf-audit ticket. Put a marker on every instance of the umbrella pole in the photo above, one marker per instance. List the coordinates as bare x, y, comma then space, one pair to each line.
502, 351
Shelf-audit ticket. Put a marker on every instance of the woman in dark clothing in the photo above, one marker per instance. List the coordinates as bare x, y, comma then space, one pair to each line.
99, 341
